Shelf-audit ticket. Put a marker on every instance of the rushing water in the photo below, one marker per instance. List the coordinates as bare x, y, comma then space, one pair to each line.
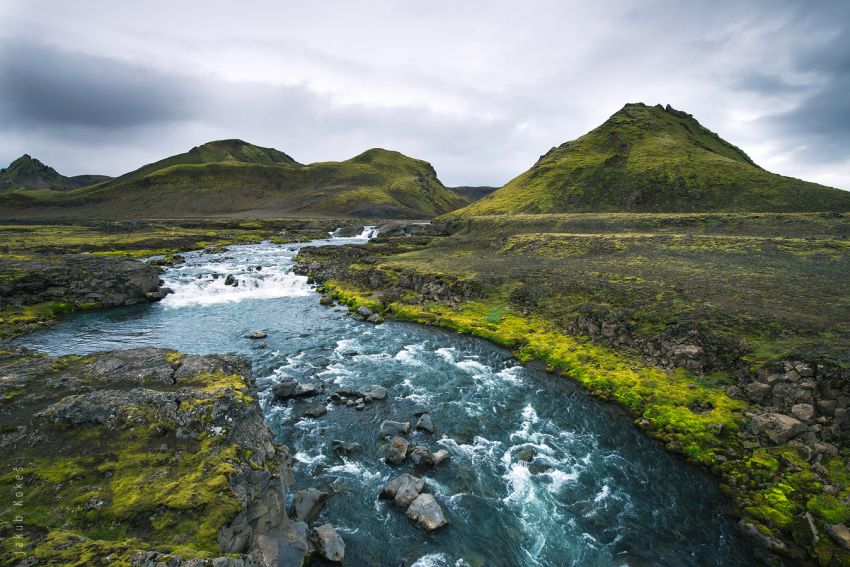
594, 492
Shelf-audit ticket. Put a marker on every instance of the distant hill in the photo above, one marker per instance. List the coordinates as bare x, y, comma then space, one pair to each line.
653, 159
232, 177
27, 173
473, 194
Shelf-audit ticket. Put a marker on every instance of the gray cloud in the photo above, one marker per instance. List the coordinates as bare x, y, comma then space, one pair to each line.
480, 89
45, 87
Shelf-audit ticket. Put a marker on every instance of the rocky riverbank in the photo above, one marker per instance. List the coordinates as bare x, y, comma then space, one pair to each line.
775, 435
34, 289
143, 457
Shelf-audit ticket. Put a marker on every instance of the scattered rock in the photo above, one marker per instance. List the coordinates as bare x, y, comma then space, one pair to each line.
426, 512
364, 311
526, 455
316, 411
325, 300
421, 456
341, 447
403, 489
424, 422
307, 504
373, 392
285, 389
839, 534
397, 451
308, 389
257, 335
392, 428
231, 280
441, 456
803, 412
375, 318
328, 543
777, 427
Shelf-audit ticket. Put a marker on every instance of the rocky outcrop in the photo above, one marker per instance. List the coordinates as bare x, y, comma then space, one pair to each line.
182, 435
81, 279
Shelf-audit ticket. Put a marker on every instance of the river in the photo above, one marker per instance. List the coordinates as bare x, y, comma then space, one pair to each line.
541, 474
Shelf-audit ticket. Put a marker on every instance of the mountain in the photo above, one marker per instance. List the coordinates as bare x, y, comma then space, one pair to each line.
473, 194
232, 177
653, 159
26, 173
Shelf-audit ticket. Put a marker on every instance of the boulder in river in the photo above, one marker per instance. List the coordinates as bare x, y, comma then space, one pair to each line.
307, 504
422, 456
325, 300
285, 389
364, 311
397, 451
426, 512
343, 447
424, 422
391, 428
375, 318
373, 392
328, 543
307, 389
403, 489
256, 335
441, 456
316, 411
231, 280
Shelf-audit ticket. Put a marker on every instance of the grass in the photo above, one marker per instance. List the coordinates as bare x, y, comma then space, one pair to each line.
652, 159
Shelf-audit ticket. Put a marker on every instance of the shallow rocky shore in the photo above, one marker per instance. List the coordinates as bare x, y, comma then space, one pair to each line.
170, 450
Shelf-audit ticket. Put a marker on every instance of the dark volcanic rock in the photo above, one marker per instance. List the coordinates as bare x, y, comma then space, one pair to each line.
391, 428
424, 422
426, 512
397, 451
403, 489
328, 543
307, 504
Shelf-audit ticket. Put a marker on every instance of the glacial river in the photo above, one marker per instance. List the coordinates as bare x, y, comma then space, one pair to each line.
541, 474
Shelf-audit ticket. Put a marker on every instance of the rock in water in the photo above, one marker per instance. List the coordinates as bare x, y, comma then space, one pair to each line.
403, 489
284, 389
341, 447
307, 504
425, 423
397, 451
441, 456
231, 280
316, 411
364, 311
328, 543
256, 335
422, 456
373, 392
391, 428
426, 512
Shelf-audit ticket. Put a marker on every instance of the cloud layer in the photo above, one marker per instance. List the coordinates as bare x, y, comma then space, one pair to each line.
478, 88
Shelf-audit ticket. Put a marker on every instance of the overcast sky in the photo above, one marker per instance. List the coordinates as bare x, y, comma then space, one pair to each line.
478, 88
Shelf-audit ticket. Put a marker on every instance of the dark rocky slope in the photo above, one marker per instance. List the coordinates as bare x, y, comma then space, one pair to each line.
143, 457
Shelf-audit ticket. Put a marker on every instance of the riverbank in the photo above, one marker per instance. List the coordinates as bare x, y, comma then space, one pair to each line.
772, 429
140, 457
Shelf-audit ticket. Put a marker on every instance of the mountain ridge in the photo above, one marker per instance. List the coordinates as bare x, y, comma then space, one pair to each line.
234, 177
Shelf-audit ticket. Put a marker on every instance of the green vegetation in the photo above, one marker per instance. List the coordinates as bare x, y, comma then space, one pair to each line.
96, 493
232, 177
653, 159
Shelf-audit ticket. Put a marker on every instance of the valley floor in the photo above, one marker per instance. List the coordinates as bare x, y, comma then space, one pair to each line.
727, 336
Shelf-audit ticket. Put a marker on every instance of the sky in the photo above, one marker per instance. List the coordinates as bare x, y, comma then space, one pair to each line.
479, 88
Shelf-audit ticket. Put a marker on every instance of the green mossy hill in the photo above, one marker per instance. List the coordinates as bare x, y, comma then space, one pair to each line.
27, 173
123, 452
653, 159
238, 179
